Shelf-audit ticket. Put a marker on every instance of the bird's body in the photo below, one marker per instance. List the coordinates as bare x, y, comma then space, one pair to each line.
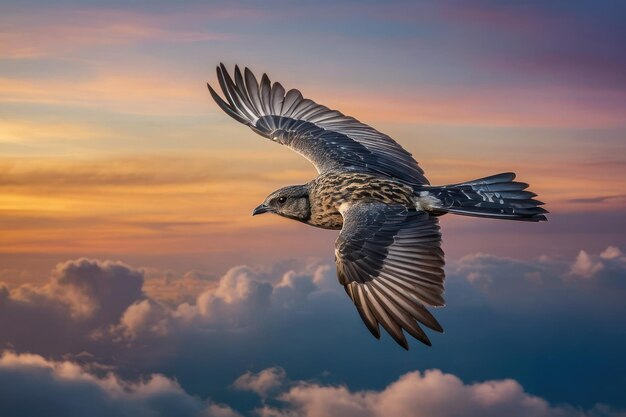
332, 191
388, 253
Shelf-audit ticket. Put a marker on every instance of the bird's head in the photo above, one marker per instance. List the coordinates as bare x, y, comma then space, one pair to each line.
291, 202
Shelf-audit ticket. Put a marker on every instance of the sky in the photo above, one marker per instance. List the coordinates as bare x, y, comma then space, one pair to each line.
134, 281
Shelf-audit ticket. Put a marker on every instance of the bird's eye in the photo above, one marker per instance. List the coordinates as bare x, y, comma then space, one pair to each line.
281, 200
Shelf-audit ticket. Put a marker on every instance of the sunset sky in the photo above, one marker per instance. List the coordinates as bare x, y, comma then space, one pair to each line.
132, 271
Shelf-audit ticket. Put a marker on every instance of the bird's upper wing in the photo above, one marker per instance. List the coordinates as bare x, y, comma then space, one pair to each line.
325, 137
390, 262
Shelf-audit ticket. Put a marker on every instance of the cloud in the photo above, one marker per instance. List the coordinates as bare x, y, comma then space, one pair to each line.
173, 290
139, 205
432, 393
91, 304
589, 266
33, 385
143, 317
500, 276
483, 268
584, 266
612, 252
238, 297
262, 383
274, 316
545, 291
98, 291
81, 297
600, 199
242, 297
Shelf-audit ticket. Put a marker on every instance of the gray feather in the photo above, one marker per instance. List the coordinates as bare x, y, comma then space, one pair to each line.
329, 139
393, 257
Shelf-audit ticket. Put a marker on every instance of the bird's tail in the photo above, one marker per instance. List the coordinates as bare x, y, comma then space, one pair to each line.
497, 196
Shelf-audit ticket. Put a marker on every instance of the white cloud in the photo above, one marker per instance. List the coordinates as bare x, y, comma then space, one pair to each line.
166, 286
244, 296
263, 305
494, 274
33, 385
483, 270
612, 252
584, 266
262, 383
428, 394
145, 316
87, 302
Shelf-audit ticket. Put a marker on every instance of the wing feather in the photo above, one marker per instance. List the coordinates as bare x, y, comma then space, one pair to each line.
266, 90
364, 310
391, 263
401, 315
389, 322
252, 90
328, 138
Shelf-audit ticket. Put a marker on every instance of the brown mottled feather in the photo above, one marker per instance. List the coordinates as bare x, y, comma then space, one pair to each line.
329, 191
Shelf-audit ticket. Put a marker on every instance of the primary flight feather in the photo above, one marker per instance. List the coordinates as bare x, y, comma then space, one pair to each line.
388, 253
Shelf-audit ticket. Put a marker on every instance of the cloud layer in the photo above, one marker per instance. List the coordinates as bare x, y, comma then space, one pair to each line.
428, 394
466, 77
287, 317
35, 386
90, 304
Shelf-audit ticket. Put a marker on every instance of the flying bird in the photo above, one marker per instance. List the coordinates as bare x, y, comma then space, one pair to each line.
388, 253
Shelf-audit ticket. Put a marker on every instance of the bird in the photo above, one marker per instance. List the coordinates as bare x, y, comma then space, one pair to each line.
388, 253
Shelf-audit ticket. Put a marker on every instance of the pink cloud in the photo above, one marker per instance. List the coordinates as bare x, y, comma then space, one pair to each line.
612, 252
89, 289
584, 266
432, 393
262, 383
588, 266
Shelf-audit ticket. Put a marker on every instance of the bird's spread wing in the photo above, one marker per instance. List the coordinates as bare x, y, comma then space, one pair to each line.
325, 137
390, 262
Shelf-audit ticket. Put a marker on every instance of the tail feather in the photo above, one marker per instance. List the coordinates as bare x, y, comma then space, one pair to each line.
497, 196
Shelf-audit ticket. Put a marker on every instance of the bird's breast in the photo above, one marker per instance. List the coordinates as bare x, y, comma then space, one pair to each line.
329, 191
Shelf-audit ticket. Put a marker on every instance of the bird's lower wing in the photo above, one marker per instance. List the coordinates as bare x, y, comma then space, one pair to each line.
390, 262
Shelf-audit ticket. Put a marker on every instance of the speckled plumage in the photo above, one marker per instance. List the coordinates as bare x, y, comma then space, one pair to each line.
388, 253
329, 191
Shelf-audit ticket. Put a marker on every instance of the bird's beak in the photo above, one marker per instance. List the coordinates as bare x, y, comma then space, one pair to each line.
260, 210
